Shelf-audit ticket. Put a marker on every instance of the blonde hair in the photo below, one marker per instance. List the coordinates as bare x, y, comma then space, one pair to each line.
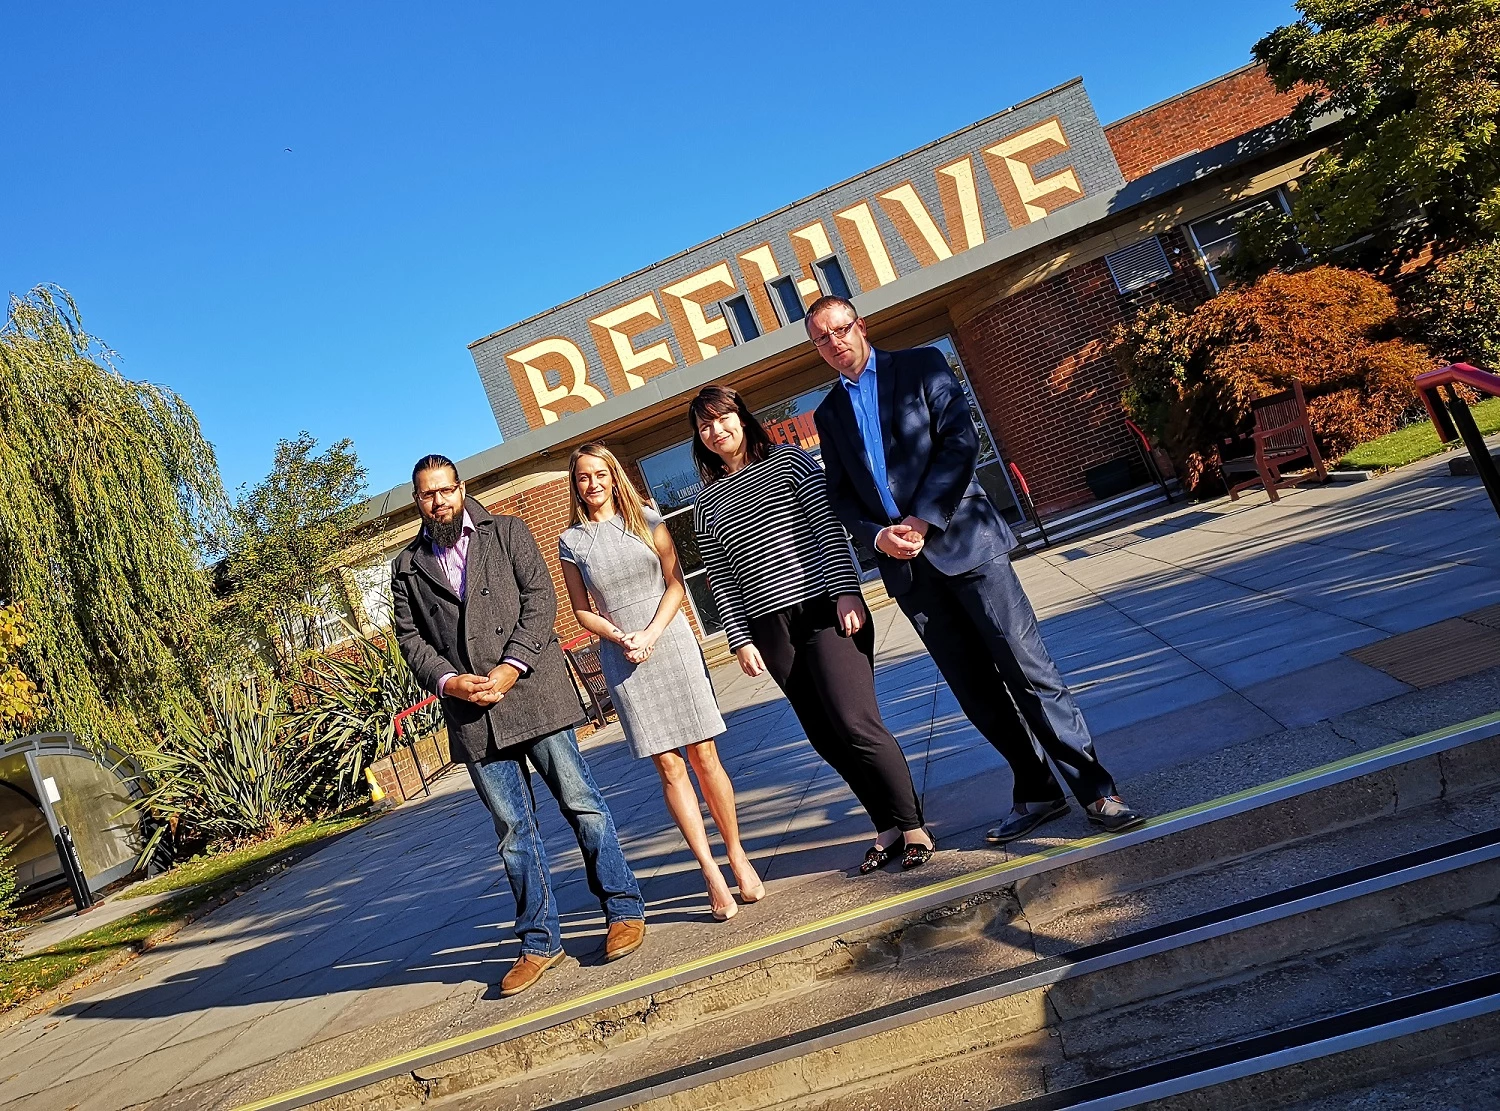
628, 502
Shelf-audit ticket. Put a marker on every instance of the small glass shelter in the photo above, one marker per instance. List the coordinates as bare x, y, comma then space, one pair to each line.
49, 781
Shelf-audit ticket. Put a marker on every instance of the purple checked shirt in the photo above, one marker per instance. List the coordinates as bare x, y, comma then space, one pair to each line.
455, 564
455, 560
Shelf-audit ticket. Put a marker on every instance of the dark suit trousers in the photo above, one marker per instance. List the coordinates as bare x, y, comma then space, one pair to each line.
982, 633
830, 681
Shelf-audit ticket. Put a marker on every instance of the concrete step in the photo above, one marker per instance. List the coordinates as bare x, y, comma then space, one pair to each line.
937, 939
1454, 1067
1463, 466
1074, 523
1140, 1031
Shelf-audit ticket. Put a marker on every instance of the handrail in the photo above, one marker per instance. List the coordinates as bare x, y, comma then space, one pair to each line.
406, 713
1029, 504
1461, 374
1452, 419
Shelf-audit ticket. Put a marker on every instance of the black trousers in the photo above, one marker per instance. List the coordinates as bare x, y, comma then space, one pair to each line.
982, 633
830, 681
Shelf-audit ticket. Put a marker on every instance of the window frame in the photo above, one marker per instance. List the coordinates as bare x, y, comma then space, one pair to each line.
1276, 195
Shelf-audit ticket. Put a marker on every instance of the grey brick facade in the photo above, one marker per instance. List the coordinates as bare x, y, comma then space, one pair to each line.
1087, 154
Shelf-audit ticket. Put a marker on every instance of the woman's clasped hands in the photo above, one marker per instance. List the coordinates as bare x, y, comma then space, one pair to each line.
638, 645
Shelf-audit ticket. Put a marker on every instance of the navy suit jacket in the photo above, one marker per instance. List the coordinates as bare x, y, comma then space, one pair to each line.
931, 446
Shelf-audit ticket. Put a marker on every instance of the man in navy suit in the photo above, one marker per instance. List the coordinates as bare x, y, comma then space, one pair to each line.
899, 446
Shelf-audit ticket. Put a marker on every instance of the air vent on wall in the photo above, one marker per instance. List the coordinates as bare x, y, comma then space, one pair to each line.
1138, 265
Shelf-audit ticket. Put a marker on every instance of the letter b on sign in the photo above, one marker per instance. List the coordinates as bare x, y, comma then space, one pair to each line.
532, 369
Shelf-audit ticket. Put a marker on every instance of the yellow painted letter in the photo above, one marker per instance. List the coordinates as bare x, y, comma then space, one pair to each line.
541, 402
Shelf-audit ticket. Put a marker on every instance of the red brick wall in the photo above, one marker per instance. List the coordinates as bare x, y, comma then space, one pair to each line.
1040, 366
1201, 118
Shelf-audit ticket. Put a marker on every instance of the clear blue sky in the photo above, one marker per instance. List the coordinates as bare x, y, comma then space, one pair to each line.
455, 168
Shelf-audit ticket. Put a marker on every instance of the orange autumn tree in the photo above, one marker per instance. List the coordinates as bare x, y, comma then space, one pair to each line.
1191, 377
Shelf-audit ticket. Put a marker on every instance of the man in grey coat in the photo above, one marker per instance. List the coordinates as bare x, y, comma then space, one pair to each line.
509, 704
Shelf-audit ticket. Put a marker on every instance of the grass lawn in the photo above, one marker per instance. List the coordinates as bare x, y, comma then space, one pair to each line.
203, 880
1416, 441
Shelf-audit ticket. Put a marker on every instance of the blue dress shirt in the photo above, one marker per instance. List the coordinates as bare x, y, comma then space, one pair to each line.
866, 400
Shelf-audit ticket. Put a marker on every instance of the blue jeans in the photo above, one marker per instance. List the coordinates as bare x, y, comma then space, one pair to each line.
504, 784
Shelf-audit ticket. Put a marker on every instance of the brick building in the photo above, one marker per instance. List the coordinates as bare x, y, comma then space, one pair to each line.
1015, 246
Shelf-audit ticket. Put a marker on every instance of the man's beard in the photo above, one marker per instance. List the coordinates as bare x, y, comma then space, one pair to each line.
445, 534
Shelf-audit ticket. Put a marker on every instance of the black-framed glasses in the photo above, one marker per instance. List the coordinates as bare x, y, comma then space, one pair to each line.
834, 333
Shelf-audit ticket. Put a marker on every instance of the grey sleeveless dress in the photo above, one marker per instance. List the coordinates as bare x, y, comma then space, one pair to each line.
667, 701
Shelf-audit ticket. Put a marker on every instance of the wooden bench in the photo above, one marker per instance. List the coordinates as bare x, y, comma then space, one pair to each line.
583, 654
1283, 435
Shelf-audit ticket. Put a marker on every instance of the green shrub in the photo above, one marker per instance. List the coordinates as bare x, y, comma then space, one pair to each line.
1190, 378
1456, 306
347, 704
8, 893
239, 773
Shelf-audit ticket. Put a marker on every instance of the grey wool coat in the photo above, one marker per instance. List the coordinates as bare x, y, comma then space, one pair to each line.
507, 611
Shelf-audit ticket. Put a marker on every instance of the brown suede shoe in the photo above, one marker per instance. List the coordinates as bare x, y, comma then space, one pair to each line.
624, 938
526, 971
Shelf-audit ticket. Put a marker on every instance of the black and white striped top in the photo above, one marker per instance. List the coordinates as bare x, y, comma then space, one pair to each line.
769, 540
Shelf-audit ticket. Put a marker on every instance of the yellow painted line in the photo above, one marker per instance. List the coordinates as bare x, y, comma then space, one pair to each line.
642, 984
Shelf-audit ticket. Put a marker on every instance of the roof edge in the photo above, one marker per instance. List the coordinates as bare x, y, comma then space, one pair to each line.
1212, 81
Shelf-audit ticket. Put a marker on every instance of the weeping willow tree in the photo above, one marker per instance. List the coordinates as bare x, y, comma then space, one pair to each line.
107, 491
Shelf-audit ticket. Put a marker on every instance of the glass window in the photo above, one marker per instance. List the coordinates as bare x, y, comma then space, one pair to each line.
791, 421
990, 469
96, 807
788, 301
743, 327
1216, 236
23, 826
374, 584
987, 452
680, 525
703, 603
831, 278
673, 477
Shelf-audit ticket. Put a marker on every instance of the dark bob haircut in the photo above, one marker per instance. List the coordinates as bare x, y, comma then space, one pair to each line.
716, 401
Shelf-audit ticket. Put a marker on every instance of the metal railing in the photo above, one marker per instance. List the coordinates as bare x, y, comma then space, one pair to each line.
409, 755
1452, 419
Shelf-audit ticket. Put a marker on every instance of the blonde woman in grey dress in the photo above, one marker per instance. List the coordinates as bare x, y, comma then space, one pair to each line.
626, 587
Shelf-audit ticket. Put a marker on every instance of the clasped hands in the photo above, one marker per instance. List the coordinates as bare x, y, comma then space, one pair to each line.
483, 690
904, 539
637, 645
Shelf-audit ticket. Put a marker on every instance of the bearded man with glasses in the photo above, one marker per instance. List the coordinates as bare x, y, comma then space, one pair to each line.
474, 609
899, 450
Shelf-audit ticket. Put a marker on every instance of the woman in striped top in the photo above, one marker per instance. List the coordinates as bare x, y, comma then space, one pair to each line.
787, 588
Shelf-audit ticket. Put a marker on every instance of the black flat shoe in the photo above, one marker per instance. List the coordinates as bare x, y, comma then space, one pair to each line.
1022, 820
915, 855
877, 858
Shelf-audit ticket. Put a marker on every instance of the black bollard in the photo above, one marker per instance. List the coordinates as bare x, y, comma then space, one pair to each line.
68, 853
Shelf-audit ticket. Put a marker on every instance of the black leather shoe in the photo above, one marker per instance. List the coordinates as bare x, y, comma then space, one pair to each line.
877, 858
1112, 813
1023, 819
